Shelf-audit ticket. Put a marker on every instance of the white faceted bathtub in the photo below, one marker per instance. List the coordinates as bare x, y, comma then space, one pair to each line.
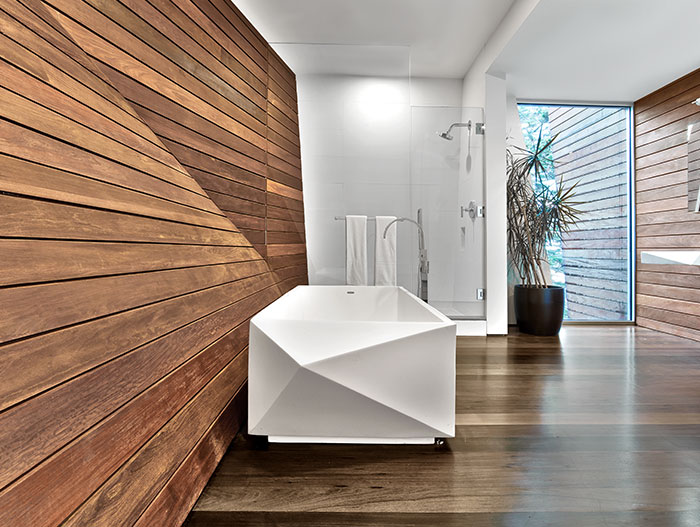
353, 365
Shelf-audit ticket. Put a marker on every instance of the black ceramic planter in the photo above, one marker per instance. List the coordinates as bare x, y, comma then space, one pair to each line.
539, 310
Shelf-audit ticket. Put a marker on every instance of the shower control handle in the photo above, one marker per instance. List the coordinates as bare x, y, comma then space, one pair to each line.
471, 209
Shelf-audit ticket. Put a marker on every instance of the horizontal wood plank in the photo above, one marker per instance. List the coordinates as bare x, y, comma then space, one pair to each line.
667, 296
150, 207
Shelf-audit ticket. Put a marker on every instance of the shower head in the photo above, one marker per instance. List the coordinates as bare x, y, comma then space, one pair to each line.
448, 136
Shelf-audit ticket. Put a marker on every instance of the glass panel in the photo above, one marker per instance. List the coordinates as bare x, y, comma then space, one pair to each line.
447, 185
591, 150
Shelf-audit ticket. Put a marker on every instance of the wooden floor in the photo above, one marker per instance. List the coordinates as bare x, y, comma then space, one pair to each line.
599, 427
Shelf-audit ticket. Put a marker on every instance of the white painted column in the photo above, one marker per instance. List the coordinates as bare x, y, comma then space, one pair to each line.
495, 190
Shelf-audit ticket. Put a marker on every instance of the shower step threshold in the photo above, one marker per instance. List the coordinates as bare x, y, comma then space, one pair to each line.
470, 328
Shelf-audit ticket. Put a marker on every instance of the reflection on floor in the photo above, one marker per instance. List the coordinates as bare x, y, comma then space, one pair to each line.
599, 427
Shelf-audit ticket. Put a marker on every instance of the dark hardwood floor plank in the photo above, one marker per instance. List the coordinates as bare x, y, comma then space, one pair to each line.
522, 519
598, 427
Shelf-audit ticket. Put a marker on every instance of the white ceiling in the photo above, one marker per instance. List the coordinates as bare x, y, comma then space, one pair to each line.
601, 50
444, 35
332, 59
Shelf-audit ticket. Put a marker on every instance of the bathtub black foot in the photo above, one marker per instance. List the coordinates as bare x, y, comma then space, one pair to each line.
440, 442
259, 442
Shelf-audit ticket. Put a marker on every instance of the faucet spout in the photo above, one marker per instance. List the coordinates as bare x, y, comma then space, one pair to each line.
421, 234
423, 264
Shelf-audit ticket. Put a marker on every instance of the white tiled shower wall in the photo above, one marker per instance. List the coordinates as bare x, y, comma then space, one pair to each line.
355, 157
357, 153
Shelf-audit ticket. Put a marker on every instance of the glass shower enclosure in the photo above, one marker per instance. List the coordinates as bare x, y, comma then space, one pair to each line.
368, 149
447, 187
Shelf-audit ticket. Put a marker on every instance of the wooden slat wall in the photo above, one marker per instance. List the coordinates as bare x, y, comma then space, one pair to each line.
591, 151
693, 166
286, 242
668, 296
219, 98
135, 183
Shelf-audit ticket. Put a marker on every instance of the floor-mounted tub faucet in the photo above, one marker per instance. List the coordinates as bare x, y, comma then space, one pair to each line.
423, 263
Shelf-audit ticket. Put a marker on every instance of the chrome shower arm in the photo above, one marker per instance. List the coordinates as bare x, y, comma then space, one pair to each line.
447, 135
468, 125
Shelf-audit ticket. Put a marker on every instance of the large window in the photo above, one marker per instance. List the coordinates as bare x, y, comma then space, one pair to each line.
592, 150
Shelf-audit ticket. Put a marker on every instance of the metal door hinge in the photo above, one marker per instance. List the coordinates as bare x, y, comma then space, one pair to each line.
480, 294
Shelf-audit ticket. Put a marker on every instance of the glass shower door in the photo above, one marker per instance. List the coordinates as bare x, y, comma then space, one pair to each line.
447, 185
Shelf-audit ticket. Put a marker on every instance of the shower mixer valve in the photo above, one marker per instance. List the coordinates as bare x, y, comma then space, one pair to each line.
474, 210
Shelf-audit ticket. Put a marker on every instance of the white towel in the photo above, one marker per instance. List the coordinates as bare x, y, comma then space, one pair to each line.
356, 250
385, 252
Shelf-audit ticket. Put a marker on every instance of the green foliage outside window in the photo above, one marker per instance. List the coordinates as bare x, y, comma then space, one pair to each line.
535, 119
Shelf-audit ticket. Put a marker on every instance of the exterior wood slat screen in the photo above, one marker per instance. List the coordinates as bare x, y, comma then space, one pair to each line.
150, 205
591, 152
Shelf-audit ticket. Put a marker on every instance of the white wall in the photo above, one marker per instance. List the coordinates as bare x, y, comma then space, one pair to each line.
355, 158
483, 87
496, 230
514, 136
436, 92
356, 151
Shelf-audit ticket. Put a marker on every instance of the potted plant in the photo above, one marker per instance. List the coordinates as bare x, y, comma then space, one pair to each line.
538, 212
